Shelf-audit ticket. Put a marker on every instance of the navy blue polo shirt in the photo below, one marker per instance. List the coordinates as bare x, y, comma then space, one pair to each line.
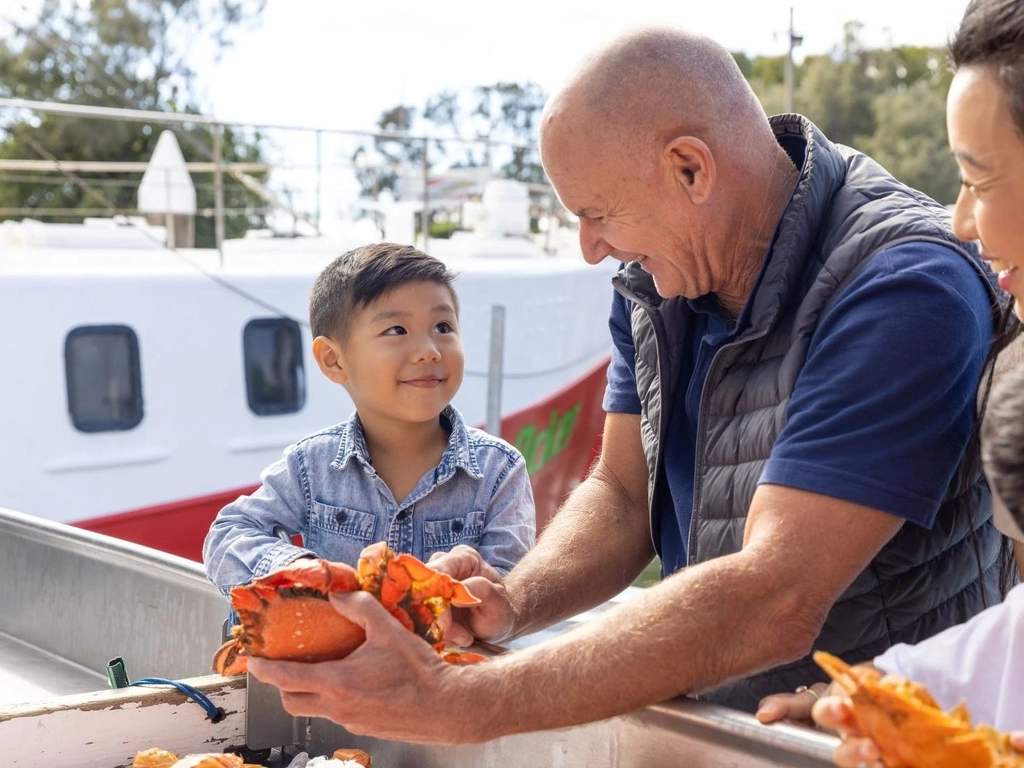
881, 411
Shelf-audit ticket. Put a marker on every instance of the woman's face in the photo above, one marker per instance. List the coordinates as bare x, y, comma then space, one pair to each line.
989, 149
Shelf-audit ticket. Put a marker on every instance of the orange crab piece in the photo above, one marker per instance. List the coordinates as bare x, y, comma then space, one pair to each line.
910, 728
161, 758
287, 614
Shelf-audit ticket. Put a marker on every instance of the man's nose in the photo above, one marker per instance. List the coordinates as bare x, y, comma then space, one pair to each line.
594, 247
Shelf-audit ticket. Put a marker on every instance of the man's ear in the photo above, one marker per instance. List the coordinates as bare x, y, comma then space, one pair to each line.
693, 167
328, 356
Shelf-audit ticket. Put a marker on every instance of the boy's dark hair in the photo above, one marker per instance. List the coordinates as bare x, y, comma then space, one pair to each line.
992, 33
1002, 442
361, 276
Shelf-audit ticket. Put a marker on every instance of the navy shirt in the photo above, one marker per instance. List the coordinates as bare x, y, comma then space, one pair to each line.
881, 411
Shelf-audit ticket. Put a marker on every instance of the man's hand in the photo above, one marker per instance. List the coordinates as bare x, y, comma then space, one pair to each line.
393, 686
493, 618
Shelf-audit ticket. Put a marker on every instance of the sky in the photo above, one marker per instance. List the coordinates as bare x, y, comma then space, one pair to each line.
340, 63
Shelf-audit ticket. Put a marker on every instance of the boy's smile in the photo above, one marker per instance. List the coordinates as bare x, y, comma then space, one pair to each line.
403, 359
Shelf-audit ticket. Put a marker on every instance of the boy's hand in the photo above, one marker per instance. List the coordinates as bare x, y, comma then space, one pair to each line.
492, 619
1017, 741
793, 707
856, 751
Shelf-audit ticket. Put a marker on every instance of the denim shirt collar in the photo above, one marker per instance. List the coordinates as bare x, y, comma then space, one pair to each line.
456, 454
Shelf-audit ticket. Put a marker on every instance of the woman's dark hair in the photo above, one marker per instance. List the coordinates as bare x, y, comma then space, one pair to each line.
1008, 328
992, 33
1002, 446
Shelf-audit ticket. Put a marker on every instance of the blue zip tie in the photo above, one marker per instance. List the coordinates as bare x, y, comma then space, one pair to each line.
214, 712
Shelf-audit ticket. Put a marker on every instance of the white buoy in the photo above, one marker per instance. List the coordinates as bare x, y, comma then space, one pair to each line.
166, 191
166, 186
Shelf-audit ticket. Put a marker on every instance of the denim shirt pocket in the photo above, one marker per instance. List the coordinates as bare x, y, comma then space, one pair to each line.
442, 535
339, 534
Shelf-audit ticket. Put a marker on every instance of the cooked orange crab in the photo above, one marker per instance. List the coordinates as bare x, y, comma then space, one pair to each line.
910, 728
287, 615
161, 758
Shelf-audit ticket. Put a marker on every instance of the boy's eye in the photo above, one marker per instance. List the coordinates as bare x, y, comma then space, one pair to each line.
444, 327
395, 330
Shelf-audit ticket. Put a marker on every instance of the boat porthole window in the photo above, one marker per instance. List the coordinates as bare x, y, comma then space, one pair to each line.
275, 381
104, 378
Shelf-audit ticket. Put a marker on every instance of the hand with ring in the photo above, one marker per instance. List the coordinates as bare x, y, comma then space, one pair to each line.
792, 707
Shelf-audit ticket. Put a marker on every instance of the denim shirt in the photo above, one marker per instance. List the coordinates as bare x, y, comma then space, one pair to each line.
325, 488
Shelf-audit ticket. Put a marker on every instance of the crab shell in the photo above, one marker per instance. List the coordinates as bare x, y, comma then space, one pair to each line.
355, 755
161, 758
287, 614
910, 728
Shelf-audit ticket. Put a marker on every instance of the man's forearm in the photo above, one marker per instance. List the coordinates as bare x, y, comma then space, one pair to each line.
594, 548
704, 626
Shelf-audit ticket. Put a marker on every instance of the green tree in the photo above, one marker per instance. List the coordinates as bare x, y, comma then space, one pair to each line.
506, 112
910, 139
117, 53
836, 91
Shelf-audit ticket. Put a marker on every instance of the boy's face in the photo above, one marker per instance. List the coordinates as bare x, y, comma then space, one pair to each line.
403, 358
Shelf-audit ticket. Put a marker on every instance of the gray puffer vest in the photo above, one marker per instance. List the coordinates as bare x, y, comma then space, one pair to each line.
845, 209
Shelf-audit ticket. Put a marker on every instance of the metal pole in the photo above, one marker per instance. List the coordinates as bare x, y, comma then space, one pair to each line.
319, 136
790, 77
218, 190
495, 370
426, 196
168, 216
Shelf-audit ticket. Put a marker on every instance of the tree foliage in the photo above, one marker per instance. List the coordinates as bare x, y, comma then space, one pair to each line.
467, 119
117, 53
889, 103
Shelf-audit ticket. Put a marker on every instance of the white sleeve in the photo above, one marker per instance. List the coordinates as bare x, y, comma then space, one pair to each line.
980, 662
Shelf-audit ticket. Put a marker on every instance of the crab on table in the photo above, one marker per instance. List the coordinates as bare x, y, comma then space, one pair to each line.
161, 758
287, 614
909, 726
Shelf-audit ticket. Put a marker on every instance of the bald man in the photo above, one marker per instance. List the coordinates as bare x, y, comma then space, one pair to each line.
798, 341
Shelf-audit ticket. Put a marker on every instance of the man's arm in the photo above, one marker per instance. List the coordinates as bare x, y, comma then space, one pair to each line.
598, 542
721, 620
724, 619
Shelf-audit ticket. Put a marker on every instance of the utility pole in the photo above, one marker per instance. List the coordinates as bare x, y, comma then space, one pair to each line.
794, 41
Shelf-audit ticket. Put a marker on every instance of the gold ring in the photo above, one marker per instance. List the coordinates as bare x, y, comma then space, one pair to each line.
805, 689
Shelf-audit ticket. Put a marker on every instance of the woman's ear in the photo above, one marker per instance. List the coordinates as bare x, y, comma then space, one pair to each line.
693, 167
328, 356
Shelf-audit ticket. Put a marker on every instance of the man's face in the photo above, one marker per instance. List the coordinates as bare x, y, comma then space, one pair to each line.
628, 210
989, 150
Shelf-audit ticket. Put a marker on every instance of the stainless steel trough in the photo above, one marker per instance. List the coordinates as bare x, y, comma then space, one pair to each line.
70, 600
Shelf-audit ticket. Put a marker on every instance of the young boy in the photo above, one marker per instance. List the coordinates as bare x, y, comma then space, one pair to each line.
404, 468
